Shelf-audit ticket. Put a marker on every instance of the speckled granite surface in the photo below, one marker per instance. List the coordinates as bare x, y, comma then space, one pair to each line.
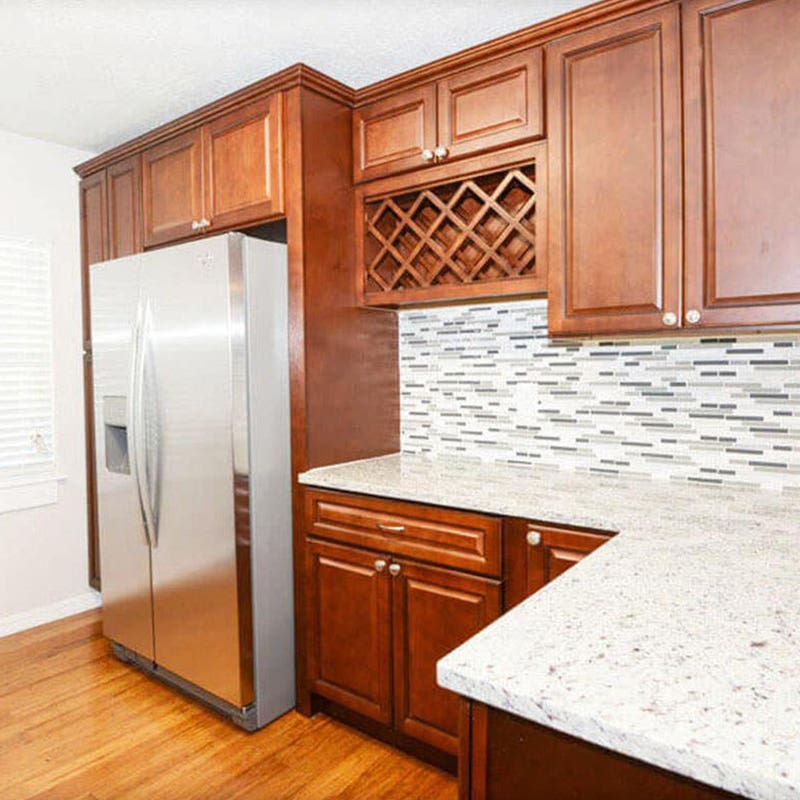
677, 643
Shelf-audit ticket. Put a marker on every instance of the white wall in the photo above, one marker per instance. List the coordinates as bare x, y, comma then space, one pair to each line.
43, 550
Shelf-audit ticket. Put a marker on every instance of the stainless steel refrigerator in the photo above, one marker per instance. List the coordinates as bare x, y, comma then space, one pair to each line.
191, 397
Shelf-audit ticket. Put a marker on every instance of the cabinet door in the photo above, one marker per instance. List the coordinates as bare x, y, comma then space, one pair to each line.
537, 554
434, 610
390, 135
349, 628
494, 105
125, 208
614, 115
94, 248
172, 188
244, 164
742, 128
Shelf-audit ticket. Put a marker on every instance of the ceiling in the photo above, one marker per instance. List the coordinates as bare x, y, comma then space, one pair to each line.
94, 73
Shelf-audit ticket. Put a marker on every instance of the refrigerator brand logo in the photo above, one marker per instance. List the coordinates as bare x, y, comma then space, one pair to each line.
206, 260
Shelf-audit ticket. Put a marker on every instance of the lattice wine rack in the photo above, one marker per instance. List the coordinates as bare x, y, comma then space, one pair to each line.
464, 237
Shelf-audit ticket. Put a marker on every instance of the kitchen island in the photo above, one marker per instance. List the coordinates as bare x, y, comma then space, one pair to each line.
676, 643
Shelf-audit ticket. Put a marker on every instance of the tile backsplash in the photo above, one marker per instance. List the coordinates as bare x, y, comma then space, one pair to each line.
486, 381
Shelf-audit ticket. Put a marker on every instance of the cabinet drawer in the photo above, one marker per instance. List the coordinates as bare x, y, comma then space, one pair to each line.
437, 535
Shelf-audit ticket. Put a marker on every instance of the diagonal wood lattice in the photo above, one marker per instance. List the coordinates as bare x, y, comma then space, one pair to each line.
462, 232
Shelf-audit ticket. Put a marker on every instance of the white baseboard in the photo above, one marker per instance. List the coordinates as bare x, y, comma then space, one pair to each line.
39, 616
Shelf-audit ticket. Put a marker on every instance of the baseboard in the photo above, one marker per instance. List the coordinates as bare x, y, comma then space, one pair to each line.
39, 616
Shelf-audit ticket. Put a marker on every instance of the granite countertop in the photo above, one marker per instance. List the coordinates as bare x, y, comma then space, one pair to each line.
677, 643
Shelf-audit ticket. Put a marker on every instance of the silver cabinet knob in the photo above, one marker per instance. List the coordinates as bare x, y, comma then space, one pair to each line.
441, 153
534, 538
380, 565
427, 155
670, 319
693, 316
196, 225
394, 569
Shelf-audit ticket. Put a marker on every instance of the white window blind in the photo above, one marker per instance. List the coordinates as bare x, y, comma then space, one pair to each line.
26, 360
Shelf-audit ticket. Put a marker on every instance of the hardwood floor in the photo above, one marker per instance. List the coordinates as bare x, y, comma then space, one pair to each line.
75, 724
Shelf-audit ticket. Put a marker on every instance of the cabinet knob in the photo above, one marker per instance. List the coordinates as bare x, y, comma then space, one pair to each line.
427, 155
534, 538
670, 319
394, 569
196, 225
693, 316
380, 565
441, 153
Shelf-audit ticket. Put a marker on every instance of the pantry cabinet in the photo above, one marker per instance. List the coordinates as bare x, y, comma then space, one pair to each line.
496, 104
614, 111
225, 174
742, 128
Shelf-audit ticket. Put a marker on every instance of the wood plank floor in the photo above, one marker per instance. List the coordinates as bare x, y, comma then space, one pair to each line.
75, 724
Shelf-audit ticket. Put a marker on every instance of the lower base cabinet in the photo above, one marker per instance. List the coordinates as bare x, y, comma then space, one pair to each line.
393, 586
511, 758
377, 627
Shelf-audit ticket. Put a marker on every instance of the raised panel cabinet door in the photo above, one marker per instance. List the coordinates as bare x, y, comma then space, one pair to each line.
349, 628
94, 249
244, 164
535, 554
125, 207
614, 120
172, 188
391, 135
742, 129
494, 105
434, 611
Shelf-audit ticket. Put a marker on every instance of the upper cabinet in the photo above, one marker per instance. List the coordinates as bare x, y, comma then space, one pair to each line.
614, 114
396, 134
494, 105
124, 187
172, 186
742, 129
224, 174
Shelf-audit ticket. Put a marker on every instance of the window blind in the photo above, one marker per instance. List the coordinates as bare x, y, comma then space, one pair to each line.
26, 360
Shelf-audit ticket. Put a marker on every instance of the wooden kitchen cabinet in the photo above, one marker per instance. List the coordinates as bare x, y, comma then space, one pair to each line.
614, 119
124, 188
534, 555
493, 105
172, 189
349, 628
742, 128
392, 135
225, 174
244, 164
497, 104
434, 611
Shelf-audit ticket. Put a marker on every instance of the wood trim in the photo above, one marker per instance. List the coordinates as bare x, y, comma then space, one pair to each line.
539, 33
479, 751
291, 77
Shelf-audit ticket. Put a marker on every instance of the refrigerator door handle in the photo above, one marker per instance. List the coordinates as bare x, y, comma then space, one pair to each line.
148, 399
141, 438
134, 399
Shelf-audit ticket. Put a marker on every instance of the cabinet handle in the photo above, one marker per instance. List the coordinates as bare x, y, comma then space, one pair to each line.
380, 565
427, 155
394, 569
196, 225
204, 223
441, 153
534, 538
670, 319
693, 316
391, 528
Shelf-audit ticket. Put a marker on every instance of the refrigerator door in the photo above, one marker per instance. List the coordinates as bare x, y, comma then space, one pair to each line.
124, 550
190, 294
